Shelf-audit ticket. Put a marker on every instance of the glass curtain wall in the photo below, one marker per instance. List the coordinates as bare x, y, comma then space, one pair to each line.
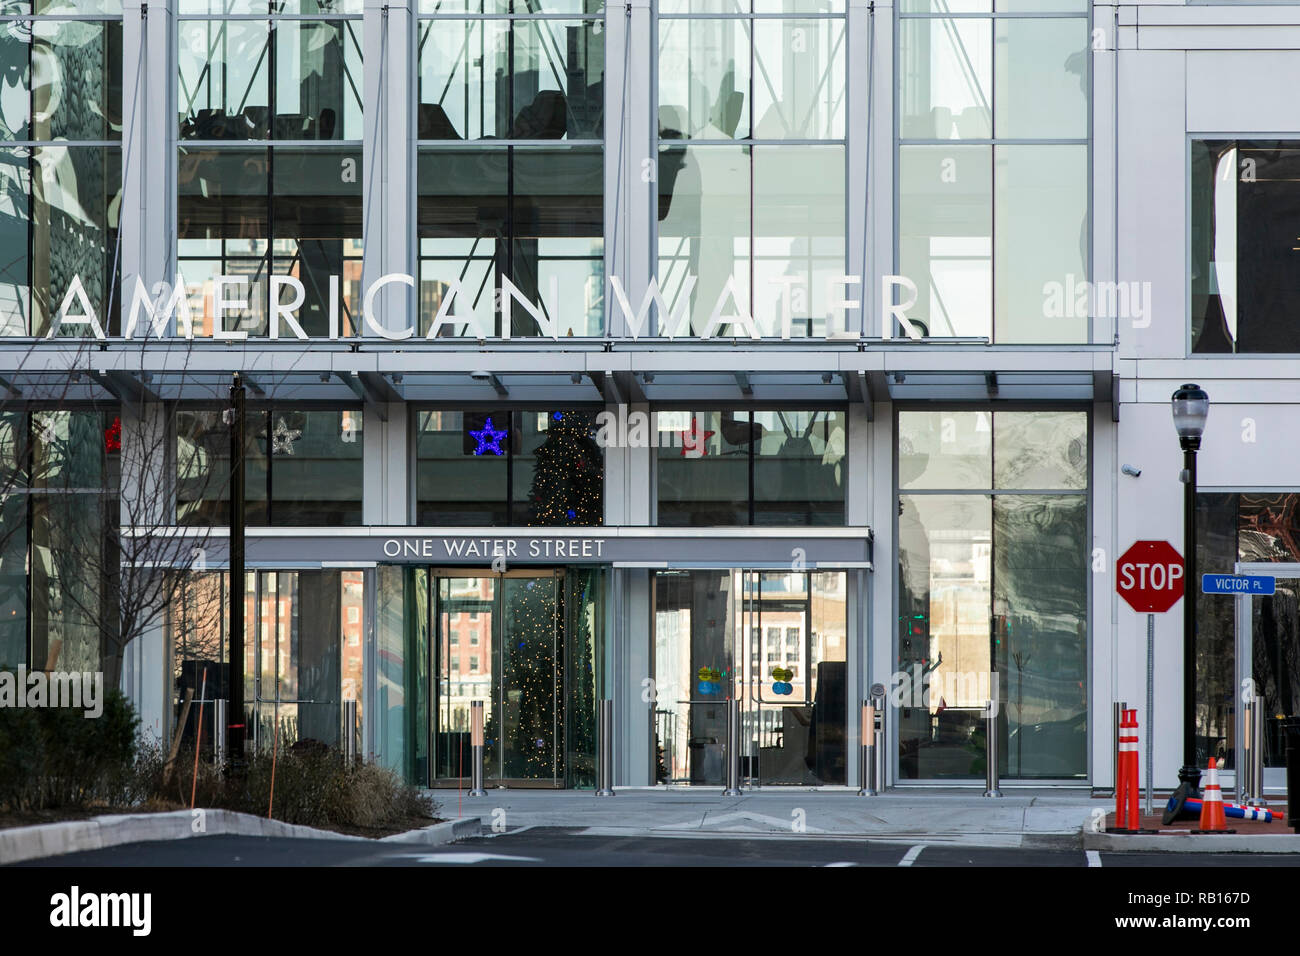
302, 466
1247, 526
510, 167
751, 119
508, 467
778, 642
992, 592
60, 160
303, 652
752, 467
59, 480
993, 194
269, 171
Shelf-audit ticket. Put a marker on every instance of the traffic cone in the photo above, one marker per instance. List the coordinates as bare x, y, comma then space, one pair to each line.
1212, 819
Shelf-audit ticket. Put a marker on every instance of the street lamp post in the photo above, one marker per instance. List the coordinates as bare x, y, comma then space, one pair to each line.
1190, 406
236, 709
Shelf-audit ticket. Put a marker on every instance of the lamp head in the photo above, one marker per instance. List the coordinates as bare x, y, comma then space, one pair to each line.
1191, 407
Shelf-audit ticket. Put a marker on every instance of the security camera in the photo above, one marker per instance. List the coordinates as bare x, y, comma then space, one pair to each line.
1130, 470
480, 375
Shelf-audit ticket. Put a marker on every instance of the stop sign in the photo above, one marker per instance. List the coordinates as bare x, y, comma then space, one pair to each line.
1149, 575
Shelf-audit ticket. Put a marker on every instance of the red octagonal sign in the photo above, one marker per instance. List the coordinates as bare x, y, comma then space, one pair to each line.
1149, 575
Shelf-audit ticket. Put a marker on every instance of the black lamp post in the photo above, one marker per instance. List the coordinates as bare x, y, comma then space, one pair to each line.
1191, 406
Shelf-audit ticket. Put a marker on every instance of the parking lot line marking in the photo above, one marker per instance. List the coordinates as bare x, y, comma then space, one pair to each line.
910, 856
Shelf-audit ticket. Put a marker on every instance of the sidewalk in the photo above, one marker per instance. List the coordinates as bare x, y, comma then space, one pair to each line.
1019, 818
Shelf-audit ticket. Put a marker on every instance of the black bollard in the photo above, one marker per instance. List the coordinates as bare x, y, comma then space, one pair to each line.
1292, 728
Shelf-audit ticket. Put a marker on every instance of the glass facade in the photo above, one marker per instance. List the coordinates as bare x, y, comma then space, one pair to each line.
301, 466
60, 160
1250, 527
993, 168
776, 641
1242, 283
513, 97
993, 560
59, 483
751, 175
758, 468
254, 199
521, 468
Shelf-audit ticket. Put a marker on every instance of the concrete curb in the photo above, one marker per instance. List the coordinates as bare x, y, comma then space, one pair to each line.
1183, 841
447, 832
98, 833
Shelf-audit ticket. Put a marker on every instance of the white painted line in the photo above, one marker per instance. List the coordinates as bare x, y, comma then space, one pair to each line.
841, 864
470, 858
1094, 858
910, 856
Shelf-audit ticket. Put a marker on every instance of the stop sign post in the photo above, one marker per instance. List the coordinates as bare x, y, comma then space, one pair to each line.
1151, 577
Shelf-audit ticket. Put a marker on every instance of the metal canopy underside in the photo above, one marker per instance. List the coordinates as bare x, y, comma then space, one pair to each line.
537, 371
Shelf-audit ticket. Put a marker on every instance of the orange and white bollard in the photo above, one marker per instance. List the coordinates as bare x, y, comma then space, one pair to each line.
1126, 800
1134, 774
1212, 816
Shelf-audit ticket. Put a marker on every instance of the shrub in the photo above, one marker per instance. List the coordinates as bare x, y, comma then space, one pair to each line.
52, 757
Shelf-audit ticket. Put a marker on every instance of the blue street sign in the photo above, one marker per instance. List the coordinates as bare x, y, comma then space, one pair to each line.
1237, 584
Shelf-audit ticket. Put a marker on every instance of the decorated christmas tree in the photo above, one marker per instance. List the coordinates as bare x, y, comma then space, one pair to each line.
568, 474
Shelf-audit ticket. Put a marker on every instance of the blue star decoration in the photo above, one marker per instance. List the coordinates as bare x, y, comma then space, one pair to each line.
489, 439
571, 513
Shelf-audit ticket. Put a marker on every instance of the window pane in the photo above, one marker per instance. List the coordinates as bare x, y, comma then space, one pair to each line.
945, 450
1040, 243
511, 6
316, 467
317, 208
704, 79
944, 75
944, 602
222, 67
704, 233
13, 574
460, 472
704, 467
1042, 78
1040, 450
559, 470
463, 226
72, 549
1244, 283
223, 227
73, 230
799, 233
522, 79
1041, 632
15, 222
798, 79
945, 6
202, 468
799, 468
75, 77
945, 237
318, 82
557, 257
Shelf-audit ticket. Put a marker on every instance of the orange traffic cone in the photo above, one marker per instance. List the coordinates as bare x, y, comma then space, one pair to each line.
1212, 819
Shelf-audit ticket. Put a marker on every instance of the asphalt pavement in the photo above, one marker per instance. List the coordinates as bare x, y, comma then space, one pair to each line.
575, 847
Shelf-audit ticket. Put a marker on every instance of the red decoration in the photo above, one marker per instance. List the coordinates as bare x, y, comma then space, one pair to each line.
113, 436
694, 443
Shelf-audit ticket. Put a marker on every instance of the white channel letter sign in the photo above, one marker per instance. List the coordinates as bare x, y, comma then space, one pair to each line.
153, 311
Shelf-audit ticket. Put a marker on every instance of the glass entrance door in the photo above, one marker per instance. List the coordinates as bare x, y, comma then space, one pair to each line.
1268, 660
500, 638
775, 640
